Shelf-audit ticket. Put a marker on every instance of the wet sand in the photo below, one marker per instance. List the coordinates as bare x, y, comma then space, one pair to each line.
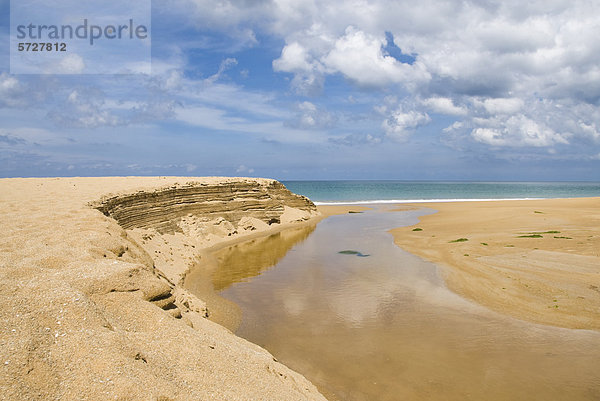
386, 327
536, 260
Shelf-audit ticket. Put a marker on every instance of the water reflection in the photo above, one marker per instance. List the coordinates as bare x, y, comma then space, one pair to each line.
384, 327
238, 263
248, 259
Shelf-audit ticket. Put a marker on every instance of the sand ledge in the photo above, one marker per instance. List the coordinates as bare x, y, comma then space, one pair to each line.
90, 314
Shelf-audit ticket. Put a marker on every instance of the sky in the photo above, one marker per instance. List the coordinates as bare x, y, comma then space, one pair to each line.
290, 89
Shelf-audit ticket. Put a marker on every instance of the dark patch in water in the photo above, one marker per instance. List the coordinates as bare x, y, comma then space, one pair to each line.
348, 252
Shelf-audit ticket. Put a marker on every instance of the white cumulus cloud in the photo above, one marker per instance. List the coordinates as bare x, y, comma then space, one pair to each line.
309, 116
400, 124
503, 105
444, 105
360, 57
519, 130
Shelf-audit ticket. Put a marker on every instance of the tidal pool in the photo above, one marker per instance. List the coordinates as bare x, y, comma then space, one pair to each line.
384, 326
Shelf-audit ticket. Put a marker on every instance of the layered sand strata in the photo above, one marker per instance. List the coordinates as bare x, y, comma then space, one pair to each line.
537, 260
89, 300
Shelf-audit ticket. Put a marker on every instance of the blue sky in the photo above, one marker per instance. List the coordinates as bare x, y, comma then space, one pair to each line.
457, 90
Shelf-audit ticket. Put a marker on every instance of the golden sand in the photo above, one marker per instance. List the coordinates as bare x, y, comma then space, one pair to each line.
91, 308
537, 260
87, 312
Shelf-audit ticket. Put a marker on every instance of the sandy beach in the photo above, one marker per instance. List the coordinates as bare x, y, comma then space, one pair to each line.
537, 260
93, 311
92, 276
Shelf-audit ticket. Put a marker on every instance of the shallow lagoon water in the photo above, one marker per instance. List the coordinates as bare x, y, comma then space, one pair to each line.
385, 327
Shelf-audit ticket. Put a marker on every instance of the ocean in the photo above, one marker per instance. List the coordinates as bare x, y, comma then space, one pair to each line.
362, 191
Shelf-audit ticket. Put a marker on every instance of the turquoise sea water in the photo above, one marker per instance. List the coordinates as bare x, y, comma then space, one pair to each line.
325, 192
